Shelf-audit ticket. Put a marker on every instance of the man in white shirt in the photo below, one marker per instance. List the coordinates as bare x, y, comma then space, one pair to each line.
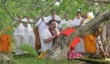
41, 24
29, 33
66, 23
76, 22
53, 16
18, 35
49, 35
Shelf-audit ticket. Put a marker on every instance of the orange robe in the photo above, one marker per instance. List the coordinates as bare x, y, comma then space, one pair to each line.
37, 42
5, 43
90, 44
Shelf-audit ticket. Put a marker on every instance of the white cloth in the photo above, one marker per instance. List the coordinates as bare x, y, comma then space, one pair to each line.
18, 40
65, 24
50, 17
18, 37
85, 21
41, 25
76, 22
29, 34
45, 35
80, 46
19, 30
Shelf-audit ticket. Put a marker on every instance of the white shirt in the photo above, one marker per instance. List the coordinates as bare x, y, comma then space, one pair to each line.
50, 18
65, 24
19, 30
45, 35
85, 21
76, 22
41, 25
28, 29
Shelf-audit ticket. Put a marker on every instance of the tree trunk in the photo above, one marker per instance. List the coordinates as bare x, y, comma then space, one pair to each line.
100, 1
63, 42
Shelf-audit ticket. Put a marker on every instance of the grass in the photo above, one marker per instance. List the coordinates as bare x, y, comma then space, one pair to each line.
28, 59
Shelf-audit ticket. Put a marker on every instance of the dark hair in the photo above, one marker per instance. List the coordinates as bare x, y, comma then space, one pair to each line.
78, 12
51, 21
52, 10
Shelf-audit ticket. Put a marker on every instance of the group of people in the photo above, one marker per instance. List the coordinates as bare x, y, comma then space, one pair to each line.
49, 29
23, 33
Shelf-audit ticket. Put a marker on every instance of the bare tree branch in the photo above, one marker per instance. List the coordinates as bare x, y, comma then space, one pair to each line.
100, 1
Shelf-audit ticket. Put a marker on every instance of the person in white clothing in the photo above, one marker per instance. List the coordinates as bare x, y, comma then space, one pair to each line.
76, 23
66, 23
41, 24
18, 35
53, 16
49, 35
29, 33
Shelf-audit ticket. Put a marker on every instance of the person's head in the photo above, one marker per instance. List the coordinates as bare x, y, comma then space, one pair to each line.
53, 12
66, 16
28, 17
52, 24
78, 14
86, 15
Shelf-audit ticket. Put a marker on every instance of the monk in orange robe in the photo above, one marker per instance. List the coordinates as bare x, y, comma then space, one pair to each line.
90, 44
89, 40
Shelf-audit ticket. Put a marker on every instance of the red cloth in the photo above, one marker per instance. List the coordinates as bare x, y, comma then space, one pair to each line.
68, 32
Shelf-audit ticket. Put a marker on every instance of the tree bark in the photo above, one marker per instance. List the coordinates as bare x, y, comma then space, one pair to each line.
63, 42
100, 1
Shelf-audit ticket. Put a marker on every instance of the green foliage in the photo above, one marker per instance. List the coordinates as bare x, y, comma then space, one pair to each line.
28, 49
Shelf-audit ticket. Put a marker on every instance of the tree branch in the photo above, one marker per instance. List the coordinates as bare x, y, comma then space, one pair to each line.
26, 4
100, 1
36, 19
7, 9
46, 9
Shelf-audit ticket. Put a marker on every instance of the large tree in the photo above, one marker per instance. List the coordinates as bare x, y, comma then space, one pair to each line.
9, 9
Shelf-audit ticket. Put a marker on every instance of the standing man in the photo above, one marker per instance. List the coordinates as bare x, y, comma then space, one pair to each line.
29, 33
53, 16
41, 25
18, 35
66, 23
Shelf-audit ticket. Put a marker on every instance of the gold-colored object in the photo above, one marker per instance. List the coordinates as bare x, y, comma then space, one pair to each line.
103, 54
42, 55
